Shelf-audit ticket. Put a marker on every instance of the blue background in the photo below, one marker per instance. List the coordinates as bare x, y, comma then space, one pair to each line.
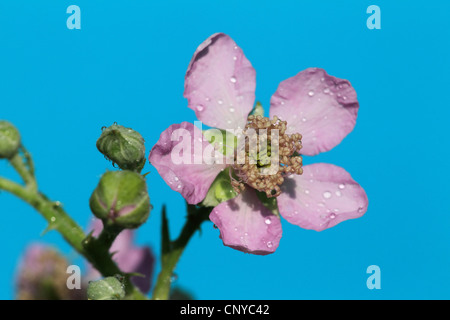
127, 64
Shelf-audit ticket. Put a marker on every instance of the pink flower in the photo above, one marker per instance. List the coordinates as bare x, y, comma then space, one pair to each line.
220, 87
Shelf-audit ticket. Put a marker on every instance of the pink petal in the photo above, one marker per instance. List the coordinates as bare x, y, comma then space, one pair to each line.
193, 177
320, 107
321, 197
220, 83
246, 225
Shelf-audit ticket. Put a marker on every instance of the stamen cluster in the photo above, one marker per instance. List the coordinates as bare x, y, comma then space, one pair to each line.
270, 155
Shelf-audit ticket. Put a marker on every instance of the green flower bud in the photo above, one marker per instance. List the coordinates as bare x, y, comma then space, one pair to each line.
121, 199
123, 146
9, 140
110, 288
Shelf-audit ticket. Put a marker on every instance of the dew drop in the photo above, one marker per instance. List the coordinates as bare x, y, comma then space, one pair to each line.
53, 219
326, 90
233, 79
338, 193
176, 179
234, 58
327, 194
220, 101
360, 209
231, 109
306, 191
304, 119
200, 108
268, 221
311, 93
269, 244
179, 186
332, 216
341, 186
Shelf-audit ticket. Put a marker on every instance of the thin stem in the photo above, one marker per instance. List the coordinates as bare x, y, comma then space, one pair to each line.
19, 165
171, 252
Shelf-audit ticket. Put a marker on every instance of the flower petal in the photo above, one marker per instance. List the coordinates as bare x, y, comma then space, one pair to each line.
321, 197
246, 225
320, 107
189, 169
220, 83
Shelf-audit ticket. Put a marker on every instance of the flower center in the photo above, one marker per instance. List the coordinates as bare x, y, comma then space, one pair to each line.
265, 155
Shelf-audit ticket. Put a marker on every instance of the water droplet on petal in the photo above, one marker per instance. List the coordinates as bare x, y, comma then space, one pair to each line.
304, 119
326, 90
233, 79
338, 193
200, 108
311, 93
268, 221
332, 216
341, 186
306, 191
220, 101
327, 194
269, 244
360, 209
231, 109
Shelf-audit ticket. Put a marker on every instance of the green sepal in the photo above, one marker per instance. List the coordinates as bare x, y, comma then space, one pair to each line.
221, 190
258, 110
269, 203
226, 145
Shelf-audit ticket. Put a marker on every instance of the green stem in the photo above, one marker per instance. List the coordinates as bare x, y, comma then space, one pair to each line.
96, 251
19, 165
172, 250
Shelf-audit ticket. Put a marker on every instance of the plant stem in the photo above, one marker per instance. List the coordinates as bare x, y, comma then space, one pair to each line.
172, 250
96, 251
19, 165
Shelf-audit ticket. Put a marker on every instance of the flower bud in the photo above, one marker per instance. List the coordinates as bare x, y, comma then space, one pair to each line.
123, 146
110, 288
9, 140
121, 199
